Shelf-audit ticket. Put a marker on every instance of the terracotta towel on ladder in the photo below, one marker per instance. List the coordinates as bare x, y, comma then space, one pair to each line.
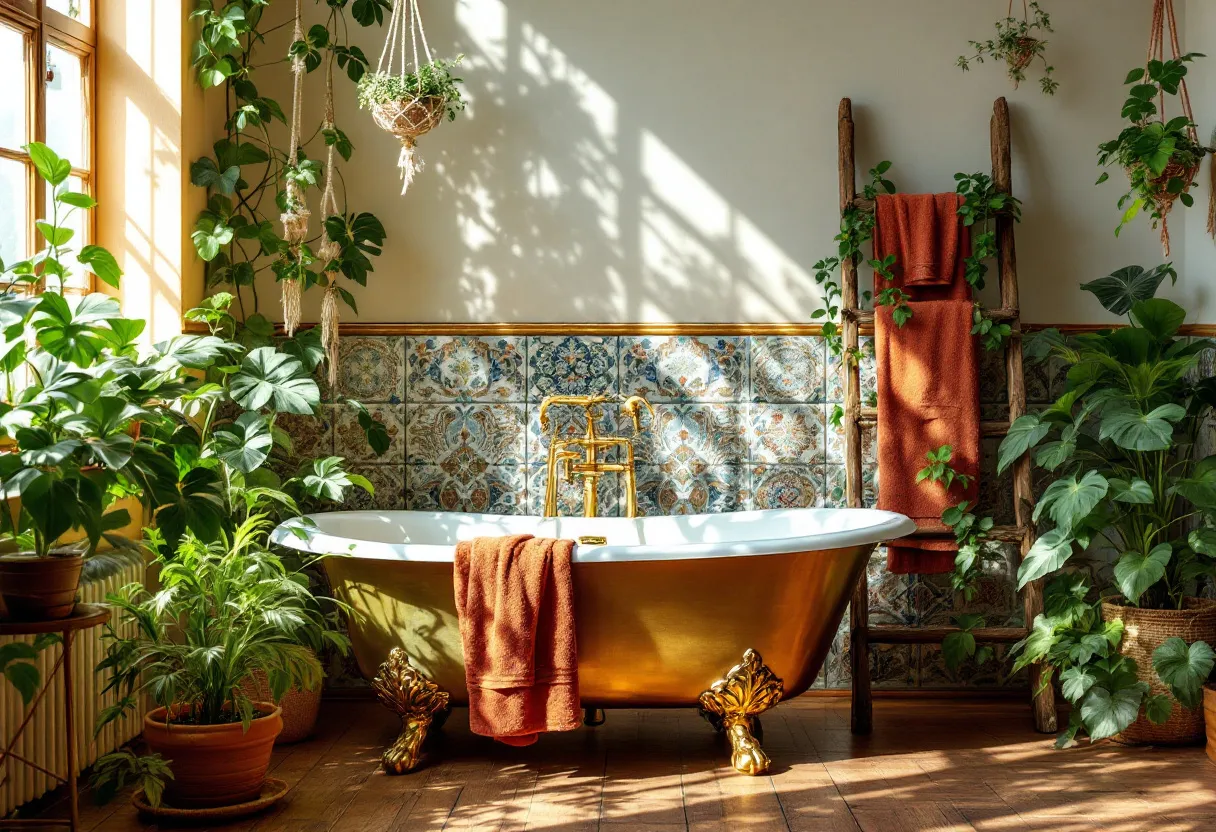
929, 242
515, 602
928, 396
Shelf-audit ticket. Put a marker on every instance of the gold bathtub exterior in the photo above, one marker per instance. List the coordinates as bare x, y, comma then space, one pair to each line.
651, 633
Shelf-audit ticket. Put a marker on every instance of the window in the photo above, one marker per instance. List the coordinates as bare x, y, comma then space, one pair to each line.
47, 65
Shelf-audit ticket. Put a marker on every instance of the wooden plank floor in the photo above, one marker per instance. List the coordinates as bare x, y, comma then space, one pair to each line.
931, 764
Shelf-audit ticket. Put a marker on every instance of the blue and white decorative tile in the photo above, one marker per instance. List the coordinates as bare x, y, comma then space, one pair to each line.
788, 434
866, 371
610, 501
350, 440
786, 486
312, 437
466, 368
493, 433
679, 368
834, 482
788, 368
571, 365
388, 482
676, 488
693, 434
463, 483
570, 423
890, 595
371, 368
837, 671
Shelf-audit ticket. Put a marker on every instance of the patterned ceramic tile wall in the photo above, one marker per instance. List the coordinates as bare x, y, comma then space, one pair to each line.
740, 422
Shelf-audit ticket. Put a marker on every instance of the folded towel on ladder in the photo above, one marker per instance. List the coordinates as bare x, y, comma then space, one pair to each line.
926, 235
515, 602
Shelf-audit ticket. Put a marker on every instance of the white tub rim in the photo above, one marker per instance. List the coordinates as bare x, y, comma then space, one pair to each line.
873, 526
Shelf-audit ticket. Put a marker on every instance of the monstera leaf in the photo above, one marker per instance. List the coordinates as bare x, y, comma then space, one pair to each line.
1136, 571
275, 380
1129, 428
1025, 432
77, 336
246, 443
1048, 554
1106, 713
1070, 501
1184, 668
1119, 290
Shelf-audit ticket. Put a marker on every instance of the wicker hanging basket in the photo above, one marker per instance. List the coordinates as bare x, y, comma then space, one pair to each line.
1021, 57
408, 119
1146, 630
1163, 199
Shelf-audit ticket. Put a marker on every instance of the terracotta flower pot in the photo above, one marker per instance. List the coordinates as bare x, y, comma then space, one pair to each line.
37, 589
1144, 631
214, 765
300, 707
1209, 718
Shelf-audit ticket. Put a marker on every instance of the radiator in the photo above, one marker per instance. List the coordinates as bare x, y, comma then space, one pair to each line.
42, 741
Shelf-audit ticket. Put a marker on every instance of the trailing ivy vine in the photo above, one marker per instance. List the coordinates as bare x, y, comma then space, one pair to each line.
247, 174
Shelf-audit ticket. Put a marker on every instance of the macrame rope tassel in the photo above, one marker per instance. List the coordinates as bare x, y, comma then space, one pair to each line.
291, 306
295, 218
329, 329
410, 163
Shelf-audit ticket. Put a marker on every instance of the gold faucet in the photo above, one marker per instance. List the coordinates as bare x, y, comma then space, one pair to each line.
580, 456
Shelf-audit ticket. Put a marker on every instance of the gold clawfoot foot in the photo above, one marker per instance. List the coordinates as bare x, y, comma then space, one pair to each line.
732, 704
416, 699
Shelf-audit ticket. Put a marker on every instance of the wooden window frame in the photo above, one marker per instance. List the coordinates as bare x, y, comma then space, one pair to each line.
43, 27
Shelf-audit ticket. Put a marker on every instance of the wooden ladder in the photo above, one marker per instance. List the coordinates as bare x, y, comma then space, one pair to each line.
862, 635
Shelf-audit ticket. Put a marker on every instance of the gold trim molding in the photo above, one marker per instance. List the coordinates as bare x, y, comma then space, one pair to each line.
604, 328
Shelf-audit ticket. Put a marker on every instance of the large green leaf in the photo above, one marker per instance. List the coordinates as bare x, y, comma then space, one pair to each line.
1200, 486
1106, 714
1162, 318
1135, 572
195, 352
324, 479
1184, 669
1075, 682
1049, 553
1119, 290
23, 676
1133, 430
1069, 500
245, 443
1137, 492
272, 379
1026, 432
77, 336
48, 164
101, 263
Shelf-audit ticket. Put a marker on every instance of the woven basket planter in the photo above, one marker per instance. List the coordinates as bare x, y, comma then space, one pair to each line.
1021, 58
299, 707
1143, 632
409, 119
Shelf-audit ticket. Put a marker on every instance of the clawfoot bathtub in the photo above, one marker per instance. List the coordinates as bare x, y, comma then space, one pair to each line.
664, 606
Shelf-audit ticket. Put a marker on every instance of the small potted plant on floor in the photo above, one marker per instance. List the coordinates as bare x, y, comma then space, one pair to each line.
1130, 640
226, 612
69, 427
1161, 158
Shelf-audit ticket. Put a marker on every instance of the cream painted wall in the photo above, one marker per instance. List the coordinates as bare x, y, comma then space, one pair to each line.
675, 160
150, 124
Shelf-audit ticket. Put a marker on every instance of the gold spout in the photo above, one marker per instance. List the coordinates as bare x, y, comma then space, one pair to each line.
586, 462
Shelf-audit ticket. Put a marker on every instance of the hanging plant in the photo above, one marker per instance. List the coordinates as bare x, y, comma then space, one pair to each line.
410, 103
1161, 158
1018, 44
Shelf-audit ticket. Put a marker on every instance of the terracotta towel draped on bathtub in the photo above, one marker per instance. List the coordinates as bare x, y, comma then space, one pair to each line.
515, 602
928, 371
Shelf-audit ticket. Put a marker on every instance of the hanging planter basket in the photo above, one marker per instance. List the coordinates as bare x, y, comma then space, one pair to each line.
1022, 55
411, 100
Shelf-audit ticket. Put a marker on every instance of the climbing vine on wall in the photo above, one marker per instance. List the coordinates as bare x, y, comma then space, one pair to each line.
247, 175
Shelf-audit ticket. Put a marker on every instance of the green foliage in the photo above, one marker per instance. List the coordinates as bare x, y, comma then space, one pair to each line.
434, 80
225, 610
1018, 43
1121, 443
982, 204
939, 469
959, 646
17, 664
115, 771
1160, 157
247, 175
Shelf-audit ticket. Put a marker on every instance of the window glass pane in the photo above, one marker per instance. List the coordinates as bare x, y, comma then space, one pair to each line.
13, 105
76, 219
14, 210
65, 113
75, 9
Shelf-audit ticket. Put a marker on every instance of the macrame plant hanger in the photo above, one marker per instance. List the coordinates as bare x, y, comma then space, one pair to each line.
329, 250
296, 213
410, 117
1163, 13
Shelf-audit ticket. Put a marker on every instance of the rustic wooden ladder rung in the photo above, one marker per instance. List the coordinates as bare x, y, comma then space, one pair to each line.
861, 634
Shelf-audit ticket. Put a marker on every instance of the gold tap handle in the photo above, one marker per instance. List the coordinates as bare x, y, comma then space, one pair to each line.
585, 402
632, 405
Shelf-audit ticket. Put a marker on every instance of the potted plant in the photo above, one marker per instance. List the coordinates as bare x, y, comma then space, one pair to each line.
69, 426
1160, 158
1130, 641
226, 611
411, 104
1018, 44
